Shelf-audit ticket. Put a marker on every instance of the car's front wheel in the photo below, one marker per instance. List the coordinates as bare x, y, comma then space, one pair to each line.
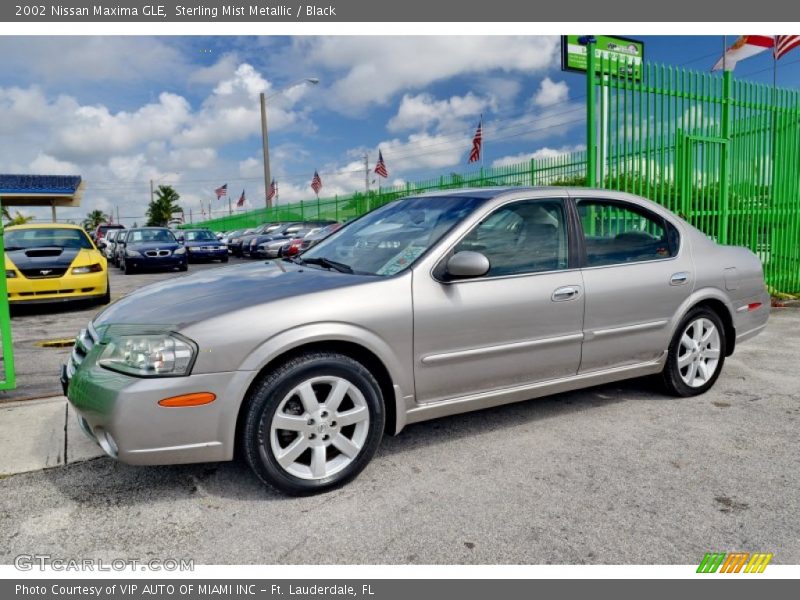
313, 423
696, 354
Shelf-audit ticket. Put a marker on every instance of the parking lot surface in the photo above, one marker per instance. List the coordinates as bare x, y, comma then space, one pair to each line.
37, 367
614, 474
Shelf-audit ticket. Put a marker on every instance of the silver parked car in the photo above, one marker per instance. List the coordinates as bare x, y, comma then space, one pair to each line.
426, 307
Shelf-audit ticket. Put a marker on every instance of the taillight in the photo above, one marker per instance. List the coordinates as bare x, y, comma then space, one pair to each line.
753, 306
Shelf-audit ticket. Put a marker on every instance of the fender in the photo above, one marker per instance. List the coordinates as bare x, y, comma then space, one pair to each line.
697, 296
329, 331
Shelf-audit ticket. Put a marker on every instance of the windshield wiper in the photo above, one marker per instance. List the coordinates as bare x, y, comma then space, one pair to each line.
327, 263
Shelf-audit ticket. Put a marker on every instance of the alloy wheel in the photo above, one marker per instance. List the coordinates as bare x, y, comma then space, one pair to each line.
699, 352
319, 427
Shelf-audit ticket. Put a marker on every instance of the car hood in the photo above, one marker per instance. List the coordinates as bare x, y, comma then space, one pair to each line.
142, 246
42, 258
210, 293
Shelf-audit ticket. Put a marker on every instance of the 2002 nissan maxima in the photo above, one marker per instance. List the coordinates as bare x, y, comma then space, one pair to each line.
423, 308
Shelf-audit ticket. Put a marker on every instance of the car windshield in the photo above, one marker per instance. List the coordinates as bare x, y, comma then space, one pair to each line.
24, 239
388, 240
200, 236
150, 235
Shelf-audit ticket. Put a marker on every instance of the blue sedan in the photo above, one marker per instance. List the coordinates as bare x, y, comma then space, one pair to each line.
201, 244
151, 248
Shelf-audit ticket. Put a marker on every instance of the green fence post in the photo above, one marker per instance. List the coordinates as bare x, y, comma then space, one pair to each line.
724, 176
8, 381
591, 116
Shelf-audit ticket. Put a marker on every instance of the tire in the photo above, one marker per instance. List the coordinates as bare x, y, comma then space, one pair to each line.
225, 259
696, 354
314, 462
106, 298
127, 269
184, 267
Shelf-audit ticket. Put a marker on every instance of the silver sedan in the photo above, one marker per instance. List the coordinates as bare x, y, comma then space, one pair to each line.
426, 307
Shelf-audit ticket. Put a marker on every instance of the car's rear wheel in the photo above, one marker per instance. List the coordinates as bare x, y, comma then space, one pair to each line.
225, 258
313, 424
696, 354
106, 298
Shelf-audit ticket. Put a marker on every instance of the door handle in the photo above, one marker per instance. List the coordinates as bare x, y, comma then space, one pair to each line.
679, 278
568, 292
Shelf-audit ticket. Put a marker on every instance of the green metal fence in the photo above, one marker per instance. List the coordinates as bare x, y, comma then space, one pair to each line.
567, 169
723, 153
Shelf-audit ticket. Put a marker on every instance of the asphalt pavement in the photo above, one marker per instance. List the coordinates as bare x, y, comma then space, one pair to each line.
616, 474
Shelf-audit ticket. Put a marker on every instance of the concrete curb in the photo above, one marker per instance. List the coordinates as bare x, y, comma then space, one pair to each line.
39, 434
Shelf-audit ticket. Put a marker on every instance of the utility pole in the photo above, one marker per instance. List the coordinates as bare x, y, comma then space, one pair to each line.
366, 173
116, 208
265, 147
190, 215
152, 193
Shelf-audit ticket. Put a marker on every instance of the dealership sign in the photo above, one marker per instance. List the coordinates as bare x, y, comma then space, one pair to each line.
624, 55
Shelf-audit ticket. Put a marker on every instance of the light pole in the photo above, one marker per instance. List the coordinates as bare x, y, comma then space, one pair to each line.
265, 134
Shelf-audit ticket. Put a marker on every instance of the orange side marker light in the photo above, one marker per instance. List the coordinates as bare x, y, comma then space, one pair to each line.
195, 399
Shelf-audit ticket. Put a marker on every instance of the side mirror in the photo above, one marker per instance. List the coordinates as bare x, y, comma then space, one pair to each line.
102, 244
466, 265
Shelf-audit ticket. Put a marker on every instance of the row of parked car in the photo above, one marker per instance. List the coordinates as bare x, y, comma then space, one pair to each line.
272, 240
161, 248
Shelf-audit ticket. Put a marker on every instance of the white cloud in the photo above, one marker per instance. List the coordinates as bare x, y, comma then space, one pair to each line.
374, 69
44, 164
541, 153
233, 111
551, 93
94, 131
423, 110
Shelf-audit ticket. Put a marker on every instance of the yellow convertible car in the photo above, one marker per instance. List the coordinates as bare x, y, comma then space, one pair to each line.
54, 263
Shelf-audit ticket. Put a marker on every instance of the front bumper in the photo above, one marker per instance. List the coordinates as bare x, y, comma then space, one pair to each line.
207, 254
122, 415
147, 262
22, 290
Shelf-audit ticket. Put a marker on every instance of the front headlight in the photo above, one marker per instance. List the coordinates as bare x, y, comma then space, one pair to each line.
95, 268
192, 249
132, 253
10, 273
149, 355
180, 250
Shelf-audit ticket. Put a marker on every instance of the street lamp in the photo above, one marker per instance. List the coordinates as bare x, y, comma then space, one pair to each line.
265, 135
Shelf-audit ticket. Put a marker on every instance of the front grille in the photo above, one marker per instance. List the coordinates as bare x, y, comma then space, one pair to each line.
43, 273
154, 253
85, 341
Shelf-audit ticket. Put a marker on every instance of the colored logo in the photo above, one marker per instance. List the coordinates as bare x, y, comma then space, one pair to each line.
735, 562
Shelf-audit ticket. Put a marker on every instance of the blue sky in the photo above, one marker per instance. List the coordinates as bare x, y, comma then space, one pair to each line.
184, 110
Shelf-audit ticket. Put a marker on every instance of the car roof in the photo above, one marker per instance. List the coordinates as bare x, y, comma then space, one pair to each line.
44, 226
493, 192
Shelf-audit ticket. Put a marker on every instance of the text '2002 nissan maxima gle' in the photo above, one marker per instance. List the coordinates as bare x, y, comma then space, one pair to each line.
423, 308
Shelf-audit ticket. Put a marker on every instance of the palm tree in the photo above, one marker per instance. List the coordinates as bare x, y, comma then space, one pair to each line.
93, 219
17, 219
163, 206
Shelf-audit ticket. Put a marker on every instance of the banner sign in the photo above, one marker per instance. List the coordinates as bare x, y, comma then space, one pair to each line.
629, 53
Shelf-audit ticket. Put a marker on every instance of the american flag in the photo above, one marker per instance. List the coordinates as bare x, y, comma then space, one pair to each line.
272, 191
785, 43
380, 167
316, 183
221, 191
475, 153
240, 202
